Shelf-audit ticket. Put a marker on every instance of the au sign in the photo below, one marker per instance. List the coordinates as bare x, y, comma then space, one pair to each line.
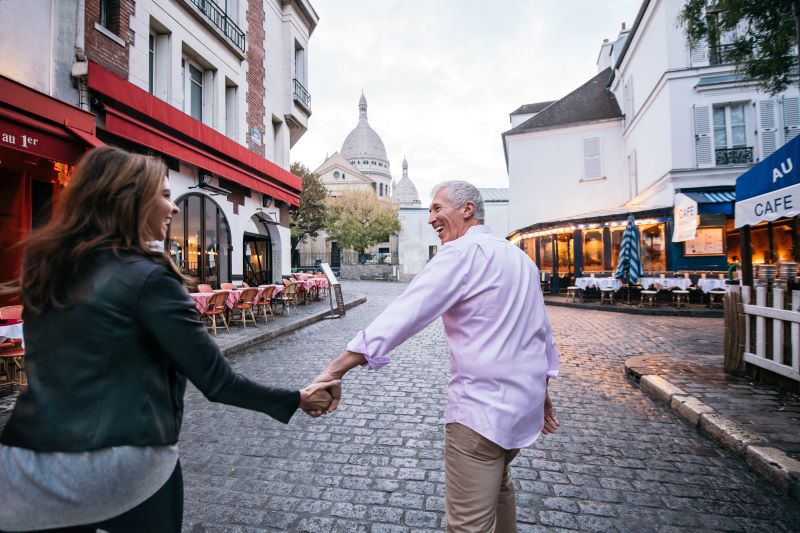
780, 171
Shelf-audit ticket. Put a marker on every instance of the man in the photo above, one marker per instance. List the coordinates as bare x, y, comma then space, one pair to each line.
502, 355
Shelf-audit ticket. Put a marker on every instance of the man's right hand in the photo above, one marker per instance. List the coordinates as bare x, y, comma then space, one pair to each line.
335, 372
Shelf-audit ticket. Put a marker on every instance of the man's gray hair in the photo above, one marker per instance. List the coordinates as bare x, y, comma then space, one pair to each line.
461, 192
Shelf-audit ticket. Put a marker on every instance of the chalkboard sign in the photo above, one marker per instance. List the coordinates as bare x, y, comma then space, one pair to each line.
335, 292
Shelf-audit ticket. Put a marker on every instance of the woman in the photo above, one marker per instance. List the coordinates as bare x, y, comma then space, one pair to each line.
111, 336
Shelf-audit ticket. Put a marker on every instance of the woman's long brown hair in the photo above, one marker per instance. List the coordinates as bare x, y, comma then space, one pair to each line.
106, 205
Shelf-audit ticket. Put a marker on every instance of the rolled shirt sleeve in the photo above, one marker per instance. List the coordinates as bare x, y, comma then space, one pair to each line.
435, 290
550, 350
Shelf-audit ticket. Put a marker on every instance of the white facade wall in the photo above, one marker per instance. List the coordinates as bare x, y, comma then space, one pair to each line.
40, 52
546, 173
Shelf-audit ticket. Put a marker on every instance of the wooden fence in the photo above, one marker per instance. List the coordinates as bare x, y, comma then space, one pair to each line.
771, 330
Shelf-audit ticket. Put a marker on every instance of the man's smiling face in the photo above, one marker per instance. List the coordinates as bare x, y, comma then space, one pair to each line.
447, 221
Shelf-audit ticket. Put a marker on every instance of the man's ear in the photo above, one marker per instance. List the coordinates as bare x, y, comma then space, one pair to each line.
469, 209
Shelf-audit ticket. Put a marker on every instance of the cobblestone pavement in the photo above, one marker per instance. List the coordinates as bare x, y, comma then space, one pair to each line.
620, 461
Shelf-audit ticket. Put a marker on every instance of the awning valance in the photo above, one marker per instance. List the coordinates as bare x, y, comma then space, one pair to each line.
140, 117
771, 189
713, 202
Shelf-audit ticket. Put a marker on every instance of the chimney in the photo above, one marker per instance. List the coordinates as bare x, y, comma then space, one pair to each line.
605, 41
623, 26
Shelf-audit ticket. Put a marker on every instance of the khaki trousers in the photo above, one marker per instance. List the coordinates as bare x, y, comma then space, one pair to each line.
479, 493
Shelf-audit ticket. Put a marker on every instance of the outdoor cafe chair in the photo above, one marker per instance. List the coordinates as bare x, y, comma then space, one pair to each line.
227, 287
12, 367
289, 297
204, 287
264, 301
11, 312
245, 302
574, 292
216, 307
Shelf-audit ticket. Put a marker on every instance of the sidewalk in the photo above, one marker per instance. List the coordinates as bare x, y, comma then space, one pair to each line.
239, 338
758, 423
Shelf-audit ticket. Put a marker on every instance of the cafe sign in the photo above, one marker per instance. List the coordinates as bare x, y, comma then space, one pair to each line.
685, 216
38, 143
771, 189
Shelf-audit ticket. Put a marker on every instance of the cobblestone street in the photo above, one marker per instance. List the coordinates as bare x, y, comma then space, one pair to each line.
619, 462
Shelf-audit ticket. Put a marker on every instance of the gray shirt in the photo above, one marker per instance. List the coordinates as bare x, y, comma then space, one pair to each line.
42, 490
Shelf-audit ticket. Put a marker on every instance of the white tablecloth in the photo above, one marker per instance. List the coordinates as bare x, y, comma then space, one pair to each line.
666, 283
709, 284
600, 283
13, 331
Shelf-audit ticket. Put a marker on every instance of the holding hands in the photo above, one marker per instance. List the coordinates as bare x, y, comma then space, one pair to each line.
316, 398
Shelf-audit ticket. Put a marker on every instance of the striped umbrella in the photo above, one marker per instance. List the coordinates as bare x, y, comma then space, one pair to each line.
629, 266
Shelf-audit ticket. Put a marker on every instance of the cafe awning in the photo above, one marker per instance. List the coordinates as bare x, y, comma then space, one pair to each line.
713, 202
136, 115
771, 189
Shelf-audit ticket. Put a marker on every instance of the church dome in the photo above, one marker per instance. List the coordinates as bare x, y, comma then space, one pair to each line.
363, 147
405, 192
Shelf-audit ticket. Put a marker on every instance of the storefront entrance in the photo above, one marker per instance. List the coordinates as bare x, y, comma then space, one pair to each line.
257, 257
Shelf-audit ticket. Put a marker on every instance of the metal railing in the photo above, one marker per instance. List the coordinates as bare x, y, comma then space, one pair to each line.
345, 257
720, 54
734, 156
220, 19
301, 93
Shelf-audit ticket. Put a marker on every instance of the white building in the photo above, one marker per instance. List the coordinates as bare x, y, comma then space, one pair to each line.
658, 119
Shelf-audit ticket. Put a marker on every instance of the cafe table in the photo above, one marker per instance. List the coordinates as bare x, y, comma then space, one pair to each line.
666, 283
601, 283
709, 284
12, 329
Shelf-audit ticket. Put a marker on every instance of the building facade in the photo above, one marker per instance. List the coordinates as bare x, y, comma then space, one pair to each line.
659, 119
215, 89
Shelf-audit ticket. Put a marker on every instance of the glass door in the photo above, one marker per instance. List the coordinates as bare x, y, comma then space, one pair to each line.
257, 255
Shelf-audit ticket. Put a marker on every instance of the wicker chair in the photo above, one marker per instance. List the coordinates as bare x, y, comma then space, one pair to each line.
246, 301
289, 297
264, 301
216, 307
227, 286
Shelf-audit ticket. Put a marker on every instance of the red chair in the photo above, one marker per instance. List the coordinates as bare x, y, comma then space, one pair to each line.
205, 288
228, 287
246, 302
265, 301
11, 312
216, 307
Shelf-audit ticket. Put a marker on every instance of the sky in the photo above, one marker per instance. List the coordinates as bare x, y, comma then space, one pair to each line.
442, 76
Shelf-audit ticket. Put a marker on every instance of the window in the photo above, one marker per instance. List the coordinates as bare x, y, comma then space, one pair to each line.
616, 244
593, 251
654, 255
380, 190
730, 135
195, 92
336, 175
151, 63
591, 159
231, 110
109, 15
299, 64
546, 253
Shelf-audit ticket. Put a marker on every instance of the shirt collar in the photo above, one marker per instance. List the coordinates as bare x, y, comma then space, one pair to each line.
478, 229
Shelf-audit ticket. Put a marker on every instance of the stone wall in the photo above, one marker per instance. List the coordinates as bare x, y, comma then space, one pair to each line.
384, 272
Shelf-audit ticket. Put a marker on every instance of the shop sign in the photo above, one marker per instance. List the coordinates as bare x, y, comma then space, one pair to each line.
19, 140
13, 136
770, 206
685, 216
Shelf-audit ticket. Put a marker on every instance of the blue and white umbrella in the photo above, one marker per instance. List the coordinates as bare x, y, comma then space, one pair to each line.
629, 266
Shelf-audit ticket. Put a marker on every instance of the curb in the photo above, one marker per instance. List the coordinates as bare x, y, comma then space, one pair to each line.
652, 311
288, 328
771, 464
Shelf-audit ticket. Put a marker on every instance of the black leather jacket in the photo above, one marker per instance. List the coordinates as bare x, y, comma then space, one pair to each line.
109, 370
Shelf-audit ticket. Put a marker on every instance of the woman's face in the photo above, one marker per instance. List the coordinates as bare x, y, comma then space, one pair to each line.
161, 216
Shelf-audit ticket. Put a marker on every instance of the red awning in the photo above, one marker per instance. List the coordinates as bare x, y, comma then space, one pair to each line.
35, 123
138, 116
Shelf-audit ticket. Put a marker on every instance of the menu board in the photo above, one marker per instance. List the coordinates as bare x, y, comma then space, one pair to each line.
335, 292
710, 240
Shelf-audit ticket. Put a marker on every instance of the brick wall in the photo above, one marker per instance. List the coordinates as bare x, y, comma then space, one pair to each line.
255, 74
102, 49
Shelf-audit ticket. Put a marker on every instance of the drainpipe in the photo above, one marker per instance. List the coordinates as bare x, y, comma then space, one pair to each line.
80, 68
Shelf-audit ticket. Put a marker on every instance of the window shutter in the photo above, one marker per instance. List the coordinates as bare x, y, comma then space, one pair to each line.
791, 118
767, 127
698, 54
591, 158
704, 152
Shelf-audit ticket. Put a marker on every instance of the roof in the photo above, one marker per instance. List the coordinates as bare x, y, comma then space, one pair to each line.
531, 108
590, 102
618, 213
635, 27
491, 195
337, 161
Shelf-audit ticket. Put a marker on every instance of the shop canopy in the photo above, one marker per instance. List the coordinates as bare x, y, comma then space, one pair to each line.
771, 189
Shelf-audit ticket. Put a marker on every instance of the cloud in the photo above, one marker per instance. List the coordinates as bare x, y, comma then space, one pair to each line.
442, 76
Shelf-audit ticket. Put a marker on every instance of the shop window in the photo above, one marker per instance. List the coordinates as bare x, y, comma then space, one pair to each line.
616, 245
546, 253
529, 247
593, 251
566, 253
653, 248
199, 240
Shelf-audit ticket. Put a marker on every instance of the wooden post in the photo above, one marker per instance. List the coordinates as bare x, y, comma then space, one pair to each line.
734, 327
761, 323
795, 328
777, 327
747, 258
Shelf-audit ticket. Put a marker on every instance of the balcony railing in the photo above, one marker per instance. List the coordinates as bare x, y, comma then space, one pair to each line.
220, 19
720, 54
734, 156
301, 94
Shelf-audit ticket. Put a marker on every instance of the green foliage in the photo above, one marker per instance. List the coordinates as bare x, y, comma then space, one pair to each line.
358, 220
763, 48
309, 218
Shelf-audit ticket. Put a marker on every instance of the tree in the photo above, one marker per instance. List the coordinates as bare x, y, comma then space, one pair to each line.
358, 220
309, 218
764, 35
